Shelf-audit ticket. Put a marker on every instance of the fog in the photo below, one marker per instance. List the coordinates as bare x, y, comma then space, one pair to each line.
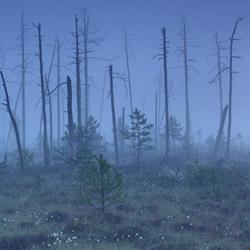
143, 21
124, 124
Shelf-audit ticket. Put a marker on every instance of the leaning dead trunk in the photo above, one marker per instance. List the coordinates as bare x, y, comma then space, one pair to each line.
113, 114
13, 120
220, 132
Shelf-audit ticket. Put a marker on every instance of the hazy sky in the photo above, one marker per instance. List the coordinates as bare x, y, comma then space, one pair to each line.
144, 20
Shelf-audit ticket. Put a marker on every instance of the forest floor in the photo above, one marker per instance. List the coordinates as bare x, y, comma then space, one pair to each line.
201, 208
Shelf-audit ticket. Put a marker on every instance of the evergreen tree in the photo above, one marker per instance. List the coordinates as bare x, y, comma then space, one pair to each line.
139, 134
103, 185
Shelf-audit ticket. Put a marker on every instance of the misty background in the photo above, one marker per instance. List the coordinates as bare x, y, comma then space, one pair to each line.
144, 20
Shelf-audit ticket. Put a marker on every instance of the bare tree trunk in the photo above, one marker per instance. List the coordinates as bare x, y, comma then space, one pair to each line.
231, 87
218, 46
123, 129
70, 116
166, 88
58, 94
87, 42
19, 146
50, 118
86, 77
159, 106
220, 132
78, 77
128, 69
47, 91
23, 85
156, 121
45, 133
188, 126
14, 113
102, 101
113, 115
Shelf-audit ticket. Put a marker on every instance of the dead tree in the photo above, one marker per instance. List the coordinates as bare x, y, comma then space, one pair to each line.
70, 116
45, 133
219, 48
126, 44
78, 74
220, 132
113, 115
159, 104
14, 113
102, 101
47, 91
87, 42
220, 69
188, 125
156, 120
13, 120
24, 70
232, 39
187, 65
123, 130
58, 93
165, 88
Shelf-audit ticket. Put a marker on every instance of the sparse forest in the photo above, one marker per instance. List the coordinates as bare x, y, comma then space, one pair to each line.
91, 158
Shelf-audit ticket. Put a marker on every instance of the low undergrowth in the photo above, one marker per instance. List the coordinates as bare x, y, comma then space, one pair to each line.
196, 207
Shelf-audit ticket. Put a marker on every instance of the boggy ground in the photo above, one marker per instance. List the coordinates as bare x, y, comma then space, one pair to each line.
196, 207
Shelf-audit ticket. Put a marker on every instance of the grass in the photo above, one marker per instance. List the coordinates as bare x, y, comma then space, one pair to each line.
164, 210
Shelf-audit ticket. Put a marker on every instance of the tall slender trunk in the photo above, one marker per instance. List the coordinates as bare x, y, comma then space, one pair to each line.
47, 91
70, 116
86, 77
123, 129
166, 88
231, 88
159, 106
188, 126
45, 133
156, 121
218, 46
13, 120
78, 76
102, 101
128, 70
58, 94
113, 114
50, 117
23, 85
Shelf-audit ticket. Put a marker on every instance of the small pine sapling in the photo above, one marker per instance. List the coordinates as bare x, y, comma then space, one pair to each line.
103, 185
139, 134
